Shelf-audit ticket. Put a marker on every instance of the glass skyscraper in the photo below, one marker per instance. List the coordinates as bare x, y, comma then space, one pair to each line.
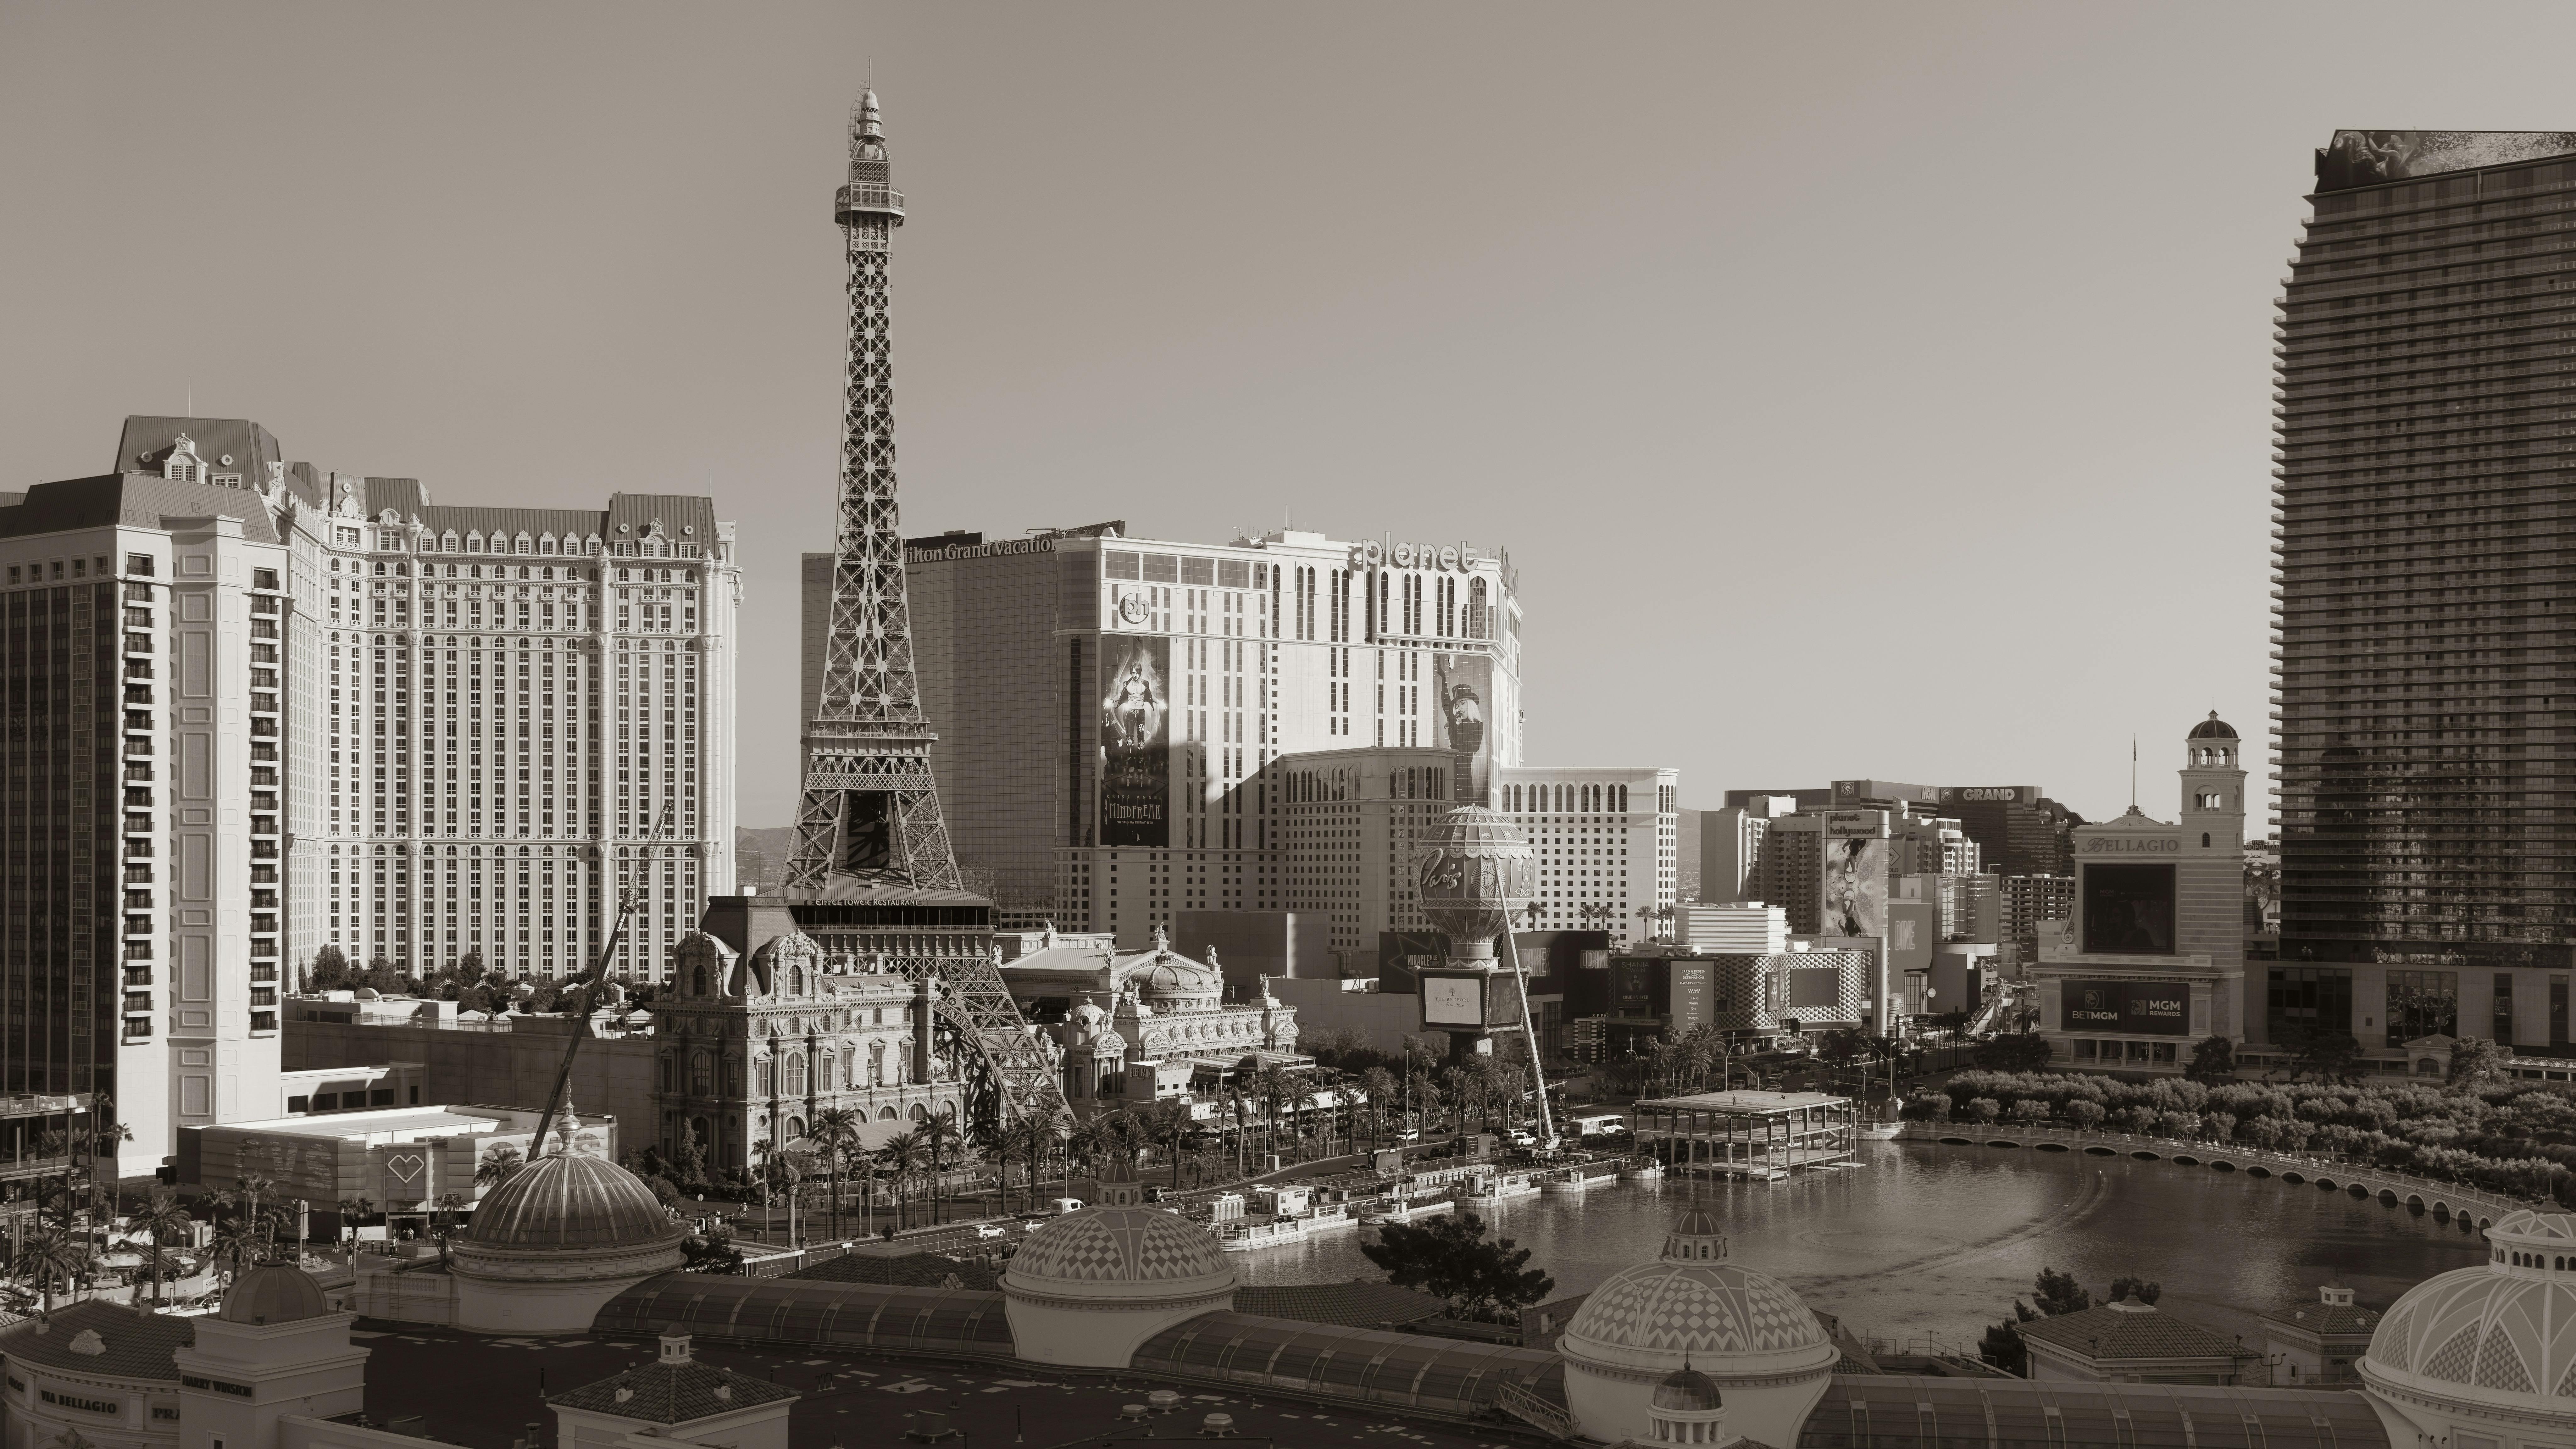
2425, 528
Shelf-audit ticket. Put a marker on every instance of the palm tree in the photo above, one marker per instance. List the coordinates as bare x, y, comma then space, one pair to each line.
835, 1130
1167, 1125
162, 1218
1051, 1130
49, 1252
1379, 1084
1232, 1094
939, 1130
105, 1132
901, 1157
1427, 1093
448, 1205
352, 1209
1302, 1096
1272, 1089
237, 1242
784, 1165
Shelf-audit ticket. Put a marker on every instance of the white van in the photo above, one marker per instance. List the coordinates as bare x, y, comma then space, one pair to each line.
1606, 1123
1062, 1205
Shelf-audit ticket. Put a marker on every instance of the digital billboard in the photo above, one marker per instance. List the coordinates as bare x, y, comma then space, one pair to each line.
2128, 909
1913, 928
1632, 986
1135, 744
1454, 1000
2137, 1008
1855, 885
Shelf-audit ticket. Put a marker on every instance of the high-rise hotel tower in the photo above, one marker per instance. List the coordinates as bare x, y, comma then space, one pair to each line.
257, 709
2425, 546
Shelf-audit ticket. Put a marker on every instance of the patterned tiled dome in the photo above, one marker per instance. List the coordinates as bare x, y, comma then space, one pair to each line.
1110, 1251
1692, 1302
2502, 1334
572, 1201
2212, 728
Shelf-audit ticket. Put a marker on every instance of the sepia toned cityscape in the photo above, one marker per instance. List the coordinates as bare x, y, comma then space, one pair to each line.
1145, 980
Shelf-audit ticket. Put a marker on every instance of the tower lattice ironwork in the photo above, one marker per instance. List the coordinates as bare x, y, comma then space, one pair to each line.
870, 808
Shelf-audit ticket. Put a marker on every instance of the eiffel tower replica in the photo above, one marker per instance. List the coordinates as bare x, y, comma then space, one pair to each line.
868, 825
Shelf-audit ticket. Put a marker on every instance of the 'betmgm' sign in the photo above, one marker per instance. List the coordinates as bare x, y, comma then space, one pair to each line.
2136, 1008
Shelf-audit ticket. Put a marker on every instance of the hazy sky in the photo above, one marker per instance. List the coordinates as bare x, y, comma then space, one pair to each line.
1860, 390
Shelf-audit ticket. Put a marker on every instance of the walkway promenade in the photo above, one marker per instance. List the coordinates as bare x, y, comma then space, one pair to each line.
2473, 1208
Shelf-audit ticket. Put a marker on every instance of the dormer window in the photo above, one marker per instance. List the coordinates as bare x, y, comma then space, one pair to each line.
183, 464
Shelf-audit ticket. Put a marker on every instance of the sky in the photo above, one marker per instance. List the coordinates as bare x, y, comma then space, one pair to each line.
1860, 390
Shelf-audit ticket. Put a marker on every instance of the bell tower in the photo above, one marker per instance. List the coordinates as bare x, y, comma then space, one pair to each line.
2213, 789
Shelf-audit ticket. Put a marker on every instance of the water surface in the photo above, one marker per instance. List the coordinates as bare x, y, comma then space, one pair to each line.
1936, 1240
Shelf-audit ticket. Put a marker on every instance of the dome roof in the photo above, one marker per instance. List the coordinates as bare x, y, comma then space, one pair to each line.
1170, 978
2212, 728
571, 1201
1687, 1391
1693, 1303
2503, 1333
274, 1293
1105, 1252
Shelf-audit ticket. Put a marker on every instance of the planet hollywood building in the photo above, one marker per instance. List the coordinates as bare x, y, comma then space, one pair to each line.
1113, 710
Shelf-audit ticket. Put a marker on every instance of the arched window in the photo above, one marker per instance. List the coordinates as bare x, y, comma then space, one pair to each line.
920, 1113
698, 980
885, 1114
796, 1074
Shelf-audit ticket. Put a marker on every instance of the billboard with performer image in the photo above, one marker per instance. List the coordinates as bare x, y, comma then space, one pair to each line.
1464, 685
1855, 884
1136, 743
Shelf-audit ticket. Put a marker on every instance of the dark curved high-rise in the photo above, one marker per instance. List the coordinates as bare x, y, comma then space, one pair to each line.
2425, 536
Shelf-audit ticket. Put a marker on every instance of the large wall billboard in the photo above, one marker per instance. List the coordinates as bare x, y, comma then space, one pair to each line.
1466, 683
2129, 909
1694, 996
2137, 1008
1913, 927
2365, 158
1855, 886
1136, 744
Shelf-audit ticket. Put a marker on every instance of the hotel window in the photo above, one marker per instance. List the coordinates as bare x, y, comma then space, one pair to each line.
2503, 1026
2422, 1003
2308, 998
